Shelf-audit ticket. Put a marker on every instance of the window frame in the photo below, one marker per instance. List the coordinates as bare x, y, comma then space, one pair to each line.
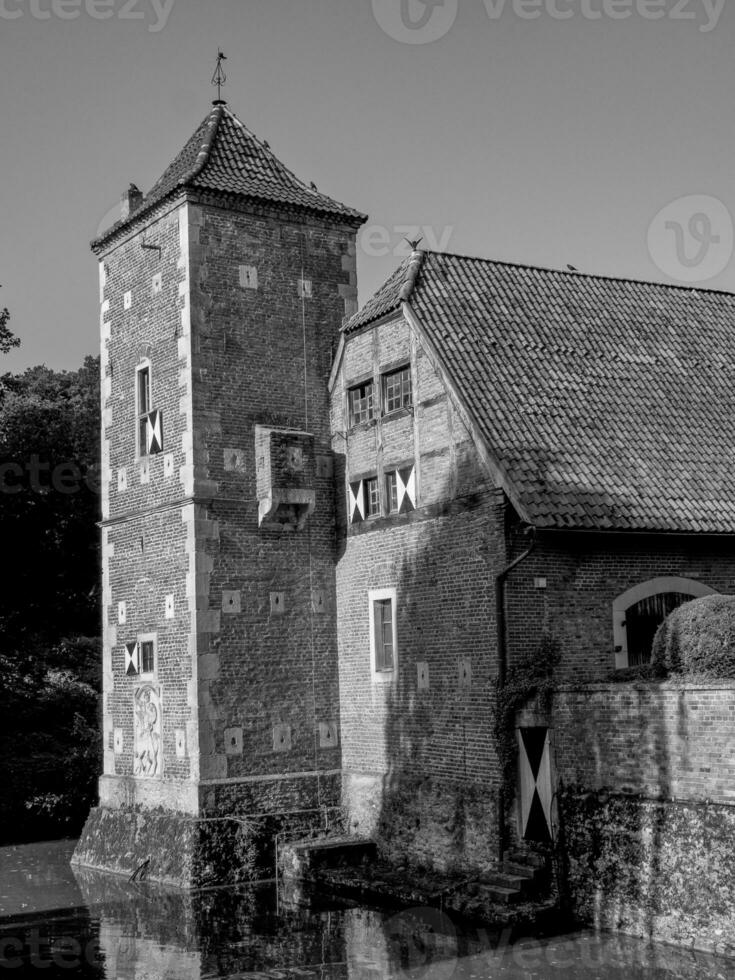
141, 418
371, 410
391, 485
151, 638
371, 514
385, 379
383, 675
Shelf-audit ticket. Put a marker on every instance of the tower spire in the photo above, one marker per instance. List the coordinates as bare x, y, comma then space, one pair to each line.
219, 78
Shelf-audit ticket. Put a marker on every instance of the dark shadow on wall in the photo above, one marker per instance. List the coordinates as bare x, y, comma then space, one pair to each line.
614, 817
441, 776
438, 790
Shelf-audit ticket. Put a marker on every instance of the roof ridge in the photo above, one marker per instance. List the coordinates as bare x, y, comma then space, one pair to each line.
283, 169
578, 274
215, 118
413, 267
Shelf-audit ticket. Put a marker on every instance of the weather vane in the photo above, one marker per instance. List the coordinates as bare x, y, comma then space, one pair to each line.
219, 78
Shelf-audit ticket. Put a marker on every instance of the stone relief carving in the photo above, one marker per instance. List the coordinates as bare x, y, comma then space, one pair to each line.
147, 760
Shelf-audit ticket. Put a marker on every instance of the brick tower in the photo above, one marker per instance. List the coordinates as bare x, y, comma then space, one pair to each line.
222, 294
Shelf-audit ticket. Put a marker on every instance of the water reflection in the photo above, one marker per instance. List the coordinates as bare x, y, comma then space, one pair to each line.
123, 931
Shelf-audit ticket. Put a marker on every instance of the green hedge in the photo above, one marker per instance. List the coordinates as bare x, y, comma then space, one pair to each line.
698, 639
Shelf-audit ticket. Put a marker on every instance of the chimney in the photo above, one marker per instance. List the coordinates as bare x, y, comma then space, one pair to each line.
131, 201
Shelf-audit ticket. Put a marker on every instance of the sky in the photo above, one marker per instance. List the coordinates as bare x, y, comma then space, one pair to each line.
591, 133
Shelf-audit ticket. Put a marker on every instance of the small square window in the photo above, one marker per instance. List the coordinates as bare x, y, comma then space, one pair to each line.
397, 391
372, 497
361, 403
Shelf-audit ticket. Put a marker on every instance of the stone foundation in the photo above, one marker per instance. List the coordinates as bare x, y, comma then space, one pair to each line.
655, 869
182, 851
424, 822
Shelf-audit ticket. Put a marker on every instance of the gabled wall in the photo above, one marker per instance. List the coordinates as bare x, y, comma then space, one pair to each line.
420, 769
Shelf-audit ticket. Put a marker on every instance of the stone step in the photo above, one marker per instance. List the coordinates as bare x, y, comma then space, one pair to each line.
525, 857
521, 870
498, 893
506, 880
299, 859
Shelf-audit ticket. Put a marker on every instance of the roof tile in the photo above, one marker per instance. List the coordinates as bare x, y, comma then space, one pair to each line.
223, 156
609, 403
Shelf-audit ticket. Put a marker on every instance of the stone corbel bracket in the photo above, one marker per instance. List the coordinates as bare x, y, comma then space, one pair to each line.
284, 476
292, 507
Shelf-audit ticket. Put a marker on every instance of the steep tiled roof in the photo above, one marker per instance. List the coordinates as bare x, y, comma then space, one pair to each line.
391, 294
608, 404
223, 156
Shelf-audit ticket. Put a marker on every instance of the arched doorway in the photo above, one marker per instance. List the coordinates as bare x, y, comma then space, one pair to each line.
638, 613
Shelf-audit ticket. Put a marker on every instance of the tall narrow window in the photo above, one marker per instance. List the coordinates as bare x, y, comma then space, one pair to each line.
397, 390
383, 612
146, 645
391, 491
372, 497
147, 657
383, 634
144, 407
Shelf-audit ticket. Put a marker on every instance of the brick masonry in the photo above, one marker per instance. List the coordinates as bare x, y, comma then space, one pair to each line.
647, 808
241, 604
584, 573
236, 551
420, 768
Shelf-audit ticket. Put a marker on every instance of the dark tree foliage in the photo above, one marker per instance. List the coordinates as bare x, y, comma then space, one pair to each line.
7, 338
49, 651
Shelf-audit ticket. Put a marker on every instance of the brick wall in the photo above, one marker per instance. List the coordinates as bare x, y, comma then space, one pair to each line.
658, 740
145, 543
420, 766
584, 573
262, 356
244, 614
647, 807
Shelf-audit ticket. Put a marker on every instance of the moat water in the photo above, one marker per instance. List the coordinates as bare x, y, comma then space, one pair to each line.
56, 922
